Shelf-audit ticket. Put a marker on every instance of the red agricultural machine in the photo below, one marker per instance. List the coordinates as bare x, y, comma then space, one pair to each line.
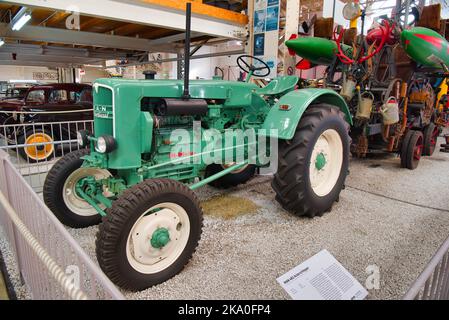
392, 78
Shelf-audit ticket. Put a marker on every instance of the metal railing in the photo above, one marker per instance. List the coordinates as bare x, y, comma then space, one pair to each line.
433, 283
35, 147
52, 265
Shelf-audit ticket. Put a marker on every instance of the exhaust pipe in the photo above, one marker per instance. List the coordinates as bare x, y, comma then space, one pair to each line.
186, 94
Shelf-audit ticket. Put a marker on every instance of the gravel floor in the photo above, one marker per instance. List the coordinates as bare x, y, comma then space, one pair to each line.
241, 258
11, 266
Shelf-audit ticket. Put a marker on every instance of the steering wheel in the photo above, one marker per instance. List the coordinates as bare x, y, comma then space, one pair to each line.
248, 68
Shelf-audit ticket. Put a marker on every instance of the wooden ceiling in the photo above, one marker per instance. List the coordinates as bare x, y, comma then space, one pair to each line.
49, 18
100, 38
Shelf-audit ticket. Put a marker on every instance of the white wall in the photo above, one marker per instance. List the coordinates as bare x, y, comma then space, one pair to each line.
92, 74
8, 73
204, 68
328, 7
21, 73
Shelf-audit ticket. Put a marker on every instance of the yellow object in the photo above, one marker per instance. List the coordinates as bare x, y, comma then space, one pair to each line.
353, 23
404, 88
443, 91
39, 152
228, 207
3, 291
202, 9
419, 96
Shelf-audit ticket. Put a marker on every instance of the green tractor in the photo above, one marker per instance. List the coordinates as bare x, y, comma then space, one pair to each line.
152, 148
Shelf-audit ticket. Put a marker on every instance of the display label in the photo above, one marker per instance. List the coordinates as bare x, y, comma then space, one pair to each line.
322, 277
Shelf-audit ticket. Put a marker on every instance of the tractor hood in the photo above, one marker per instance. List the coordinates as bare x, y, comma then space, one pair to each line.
199, 89
117, 110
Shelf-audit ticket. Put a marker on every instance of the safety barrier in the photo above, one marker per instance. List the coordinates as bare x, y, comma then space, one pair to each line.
52, 265
433, 283
35, 147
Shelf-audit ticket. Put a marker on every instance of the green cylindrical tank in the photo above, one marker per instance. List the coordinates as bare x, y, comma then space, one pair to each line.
319, 51
426, 46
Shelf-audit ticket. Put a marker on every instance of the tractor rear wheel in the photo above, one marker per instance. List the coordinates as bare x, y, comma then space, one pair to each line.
313, 165
431, 133
149, 234
60, 195
232, 179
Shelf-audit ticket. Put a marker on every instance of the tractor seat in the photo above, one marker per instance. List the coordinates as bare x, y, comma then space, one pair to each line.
278, 86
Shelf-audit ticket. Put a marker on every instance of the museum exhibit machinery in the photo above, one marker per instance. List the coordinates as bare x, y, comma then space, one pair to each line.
394, 78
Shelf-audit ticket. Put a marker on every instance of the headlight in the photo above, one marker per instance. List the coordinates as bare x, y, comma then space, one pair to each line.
82, 138
105, 144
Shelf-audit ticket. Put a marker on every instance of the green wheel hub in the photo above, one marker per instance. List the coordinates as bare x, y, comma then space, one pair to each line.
160, 238
320, 161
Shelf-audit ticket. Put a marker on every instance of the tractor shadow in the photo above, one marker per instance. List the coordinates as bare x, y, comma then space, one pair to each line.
387, 161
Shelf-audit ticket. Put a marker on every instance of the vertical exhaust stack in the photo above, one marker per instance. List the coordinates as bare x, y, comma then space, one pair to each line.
185, 105
186, 94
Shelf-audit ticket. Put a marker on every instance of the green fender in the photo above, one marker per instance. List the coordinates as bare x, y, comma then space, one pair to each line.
285, 115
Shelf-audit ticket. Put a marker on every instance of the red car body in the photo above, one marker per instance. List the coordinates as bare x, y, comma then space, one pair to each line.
49, 98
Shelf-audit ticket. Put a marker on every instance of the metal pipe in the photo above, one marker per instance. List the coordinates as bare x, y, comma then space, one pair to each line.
186, 94
333, 10
415, 289
50, 264
200, 56
90, 201
218, 175
406, 13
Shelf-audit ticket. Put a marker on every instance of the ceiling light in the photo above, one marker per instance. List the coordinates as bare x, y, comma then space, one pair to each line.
2, 42
21, 18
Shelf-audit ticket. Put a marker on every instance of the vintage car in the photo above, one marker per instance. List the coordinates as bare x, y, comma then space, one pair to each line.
46, 115
15, 93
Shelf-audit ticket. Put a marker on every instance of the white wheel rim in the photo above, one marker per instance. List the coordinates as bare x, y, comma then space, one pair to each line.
324, 174
72, 200
141, 254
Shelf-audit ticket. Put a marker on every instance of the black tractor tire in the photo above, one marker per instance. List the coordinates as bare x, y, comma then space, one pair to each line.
414, 150
430, 133
292, 183
404, 148
54, 189
232, 179
31, 153
118, 226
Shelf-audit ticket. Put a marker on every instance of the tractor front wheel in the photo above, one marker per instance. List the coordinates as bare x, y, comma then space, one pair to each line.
149, 234
60, 194
313, 165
